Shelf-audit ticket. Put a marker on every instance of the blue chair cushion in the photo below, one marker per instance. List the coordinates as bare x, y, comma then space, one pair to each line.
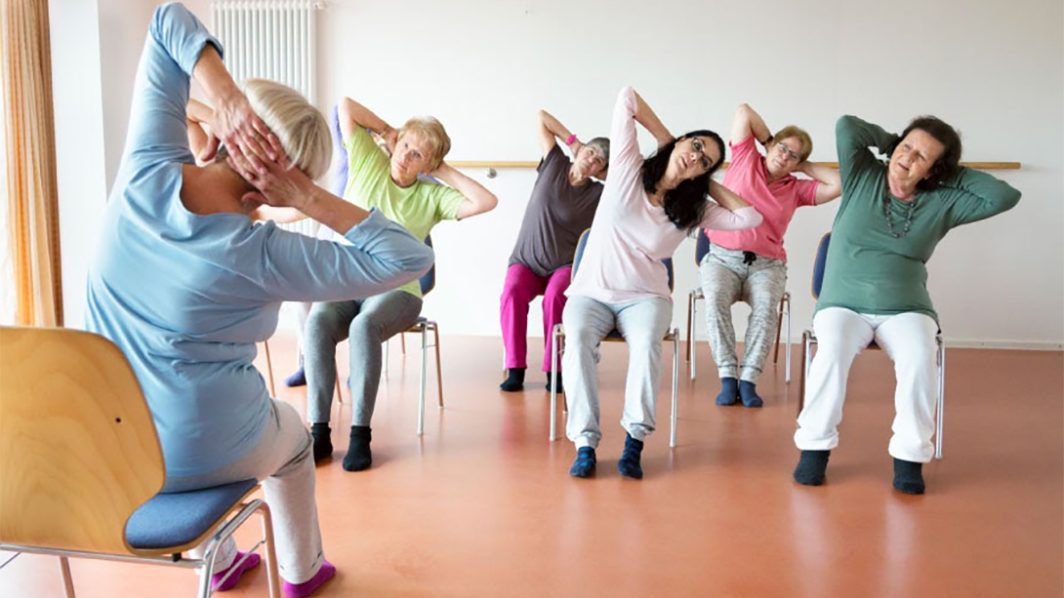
701, 247
178, 518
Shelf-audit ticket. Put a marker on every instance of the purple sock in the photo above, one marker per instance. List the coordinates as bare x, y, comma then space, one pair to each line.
302, 590
221, 583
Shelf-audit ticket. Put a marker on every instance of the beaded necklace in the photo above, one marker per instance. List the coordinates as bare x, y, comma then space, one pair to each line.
908, 217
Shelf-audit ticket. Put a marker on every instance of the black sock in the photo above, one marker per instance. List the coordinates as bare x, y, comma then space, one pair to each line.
908, 477
322, 436
584, 465
514, 381
629, 464
811, 467
358, 455
559, 382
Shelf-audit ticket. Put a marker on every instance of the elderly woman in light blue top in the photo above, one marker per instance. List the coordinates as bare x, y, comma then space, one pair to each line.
185, 283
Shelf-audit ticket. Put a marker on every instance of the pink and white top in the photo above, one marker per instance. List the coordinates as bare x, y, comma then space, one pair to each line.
776, 201
630, 236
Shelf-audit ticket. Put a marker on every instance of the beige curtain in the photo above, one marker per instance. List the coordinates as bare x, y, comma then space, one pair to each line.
33, 205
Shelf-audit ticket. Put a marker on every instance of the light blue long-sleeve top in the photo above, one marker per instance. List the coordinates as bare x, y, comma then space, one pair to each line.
185, 296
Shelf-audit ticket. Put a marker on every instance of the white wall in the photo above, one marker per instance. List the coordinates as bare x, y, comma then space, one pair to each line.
993, 70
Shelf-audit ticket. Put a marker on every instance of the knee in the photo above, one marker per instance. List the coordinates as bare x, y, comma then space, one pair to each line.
365, 327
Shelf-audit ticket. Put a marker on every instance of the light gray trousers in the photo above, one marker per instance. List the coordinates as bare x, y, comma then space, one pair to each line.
367, 322
643, 325
726, 280
282, 460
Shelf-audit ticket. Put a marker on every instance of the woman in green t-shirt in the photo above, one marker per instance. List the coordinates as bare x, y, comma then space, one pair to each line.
889, 222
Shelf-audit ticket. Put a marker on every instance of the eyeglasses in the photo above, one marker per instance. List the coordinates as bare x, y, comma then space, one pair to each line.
698, 146
788, 153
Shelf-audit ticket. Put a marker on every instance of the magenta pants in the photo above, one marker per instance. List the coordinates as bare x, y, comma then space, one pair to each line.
521, 287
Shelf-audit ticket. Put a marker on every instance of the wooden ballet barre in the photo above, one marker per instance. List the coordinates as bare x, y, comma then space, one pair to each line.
523, 164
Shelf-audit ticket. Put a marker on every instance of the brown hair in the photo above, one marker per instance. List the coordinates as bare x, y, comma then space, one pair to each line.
801, 135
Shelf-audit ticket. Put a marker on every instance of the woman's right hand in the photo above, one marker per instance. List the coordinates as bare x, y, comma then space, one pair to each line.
277, 184
237, 125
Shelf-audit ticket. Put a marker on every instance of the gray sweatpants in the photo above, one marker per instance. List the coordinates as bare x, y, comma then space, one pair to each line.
643, 325
725, 280
282, 460
368, 322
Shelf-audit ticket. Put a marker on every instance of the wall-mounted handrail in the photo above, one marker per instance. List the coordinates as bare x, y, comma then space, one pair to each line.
524, 164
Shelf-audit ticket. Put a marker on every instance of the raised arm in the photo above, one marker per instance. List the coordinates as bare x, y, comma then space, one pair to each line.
477, 199
748, 122
853, 137
732, 211
979, 195
353, 115
550, 128
650, 121
830, 186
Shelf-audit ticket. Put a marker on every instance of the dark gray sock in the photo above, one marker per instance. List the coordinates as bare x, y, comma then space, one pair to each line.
358, 455
322, 436
812, 466
908, 477
515, 380
748, 394
559, 382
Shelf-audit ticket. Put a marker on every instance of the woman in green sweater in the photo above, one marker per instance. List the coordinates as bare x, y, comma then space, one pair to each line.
891, 218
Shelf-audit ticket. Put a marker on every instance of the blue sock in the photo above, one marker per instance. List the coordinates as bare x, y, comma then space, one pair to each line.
629, 464
729, 391
584, 465
298, 378
748, 393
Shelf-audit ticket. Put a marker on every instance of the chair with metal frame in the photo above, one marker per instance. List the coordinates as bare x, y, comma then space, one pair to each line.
76, 430
423, 326
809, 342
557, 345
696, 294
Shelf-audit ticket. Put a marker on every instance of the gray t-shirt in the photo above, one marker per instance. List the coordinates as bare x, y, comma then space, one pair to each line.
556, 214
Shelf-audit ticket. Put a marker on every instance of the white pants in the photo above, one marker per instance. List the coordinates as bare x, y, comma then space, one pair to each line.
909, 340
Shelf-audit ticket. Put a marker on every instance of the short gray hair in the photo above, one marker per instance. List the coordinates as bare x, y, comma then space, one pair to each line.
302, 129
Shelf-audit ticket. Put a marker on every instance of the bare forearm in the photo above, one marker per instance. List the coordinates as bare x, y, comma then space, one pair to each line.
725, 197
758, 128
356, 115
650, 121
478, 199
211, 74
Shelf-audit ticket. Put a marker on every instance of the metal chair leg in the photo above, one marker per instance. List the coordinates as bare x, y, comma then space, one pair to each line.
690, 331
555, 334
675, 384
339, 393
807, 342
787, 349
693, 343
68, 581
439, 370
941, 396
421, 392
269, 368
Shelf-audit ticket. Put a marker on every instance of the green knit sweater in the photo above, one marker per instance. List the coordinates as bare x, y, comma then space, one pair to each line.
870, 271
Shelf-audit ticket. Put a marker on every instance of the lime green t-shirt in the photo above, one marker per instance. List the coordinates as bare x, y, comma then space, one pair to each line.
416, 208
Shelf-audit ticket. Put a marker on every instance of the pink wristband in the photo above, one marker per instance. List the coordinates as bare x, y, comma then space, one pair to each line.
570, 139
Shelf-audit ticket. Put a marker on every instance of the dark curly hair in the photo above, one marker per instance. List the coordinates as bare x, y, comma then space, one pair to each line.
685, 204
948, 163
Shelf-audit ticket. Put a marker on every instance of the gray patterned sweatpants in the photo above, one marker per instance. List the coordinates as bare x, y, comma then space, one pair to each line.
726, 279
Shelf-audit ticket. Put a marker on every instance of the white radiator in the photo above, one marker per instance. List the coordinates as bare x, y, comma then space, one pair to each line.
271, 39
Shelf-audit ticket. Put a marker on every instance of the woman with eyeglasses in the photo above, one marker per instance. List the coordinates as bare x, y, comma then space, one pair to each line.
891, 218
647, 207
564, 198
750, 265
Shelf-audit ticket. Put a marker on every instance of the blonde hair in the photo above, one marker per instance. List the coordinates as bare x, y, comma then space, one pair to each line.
432, 132
799, 134
303, 132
